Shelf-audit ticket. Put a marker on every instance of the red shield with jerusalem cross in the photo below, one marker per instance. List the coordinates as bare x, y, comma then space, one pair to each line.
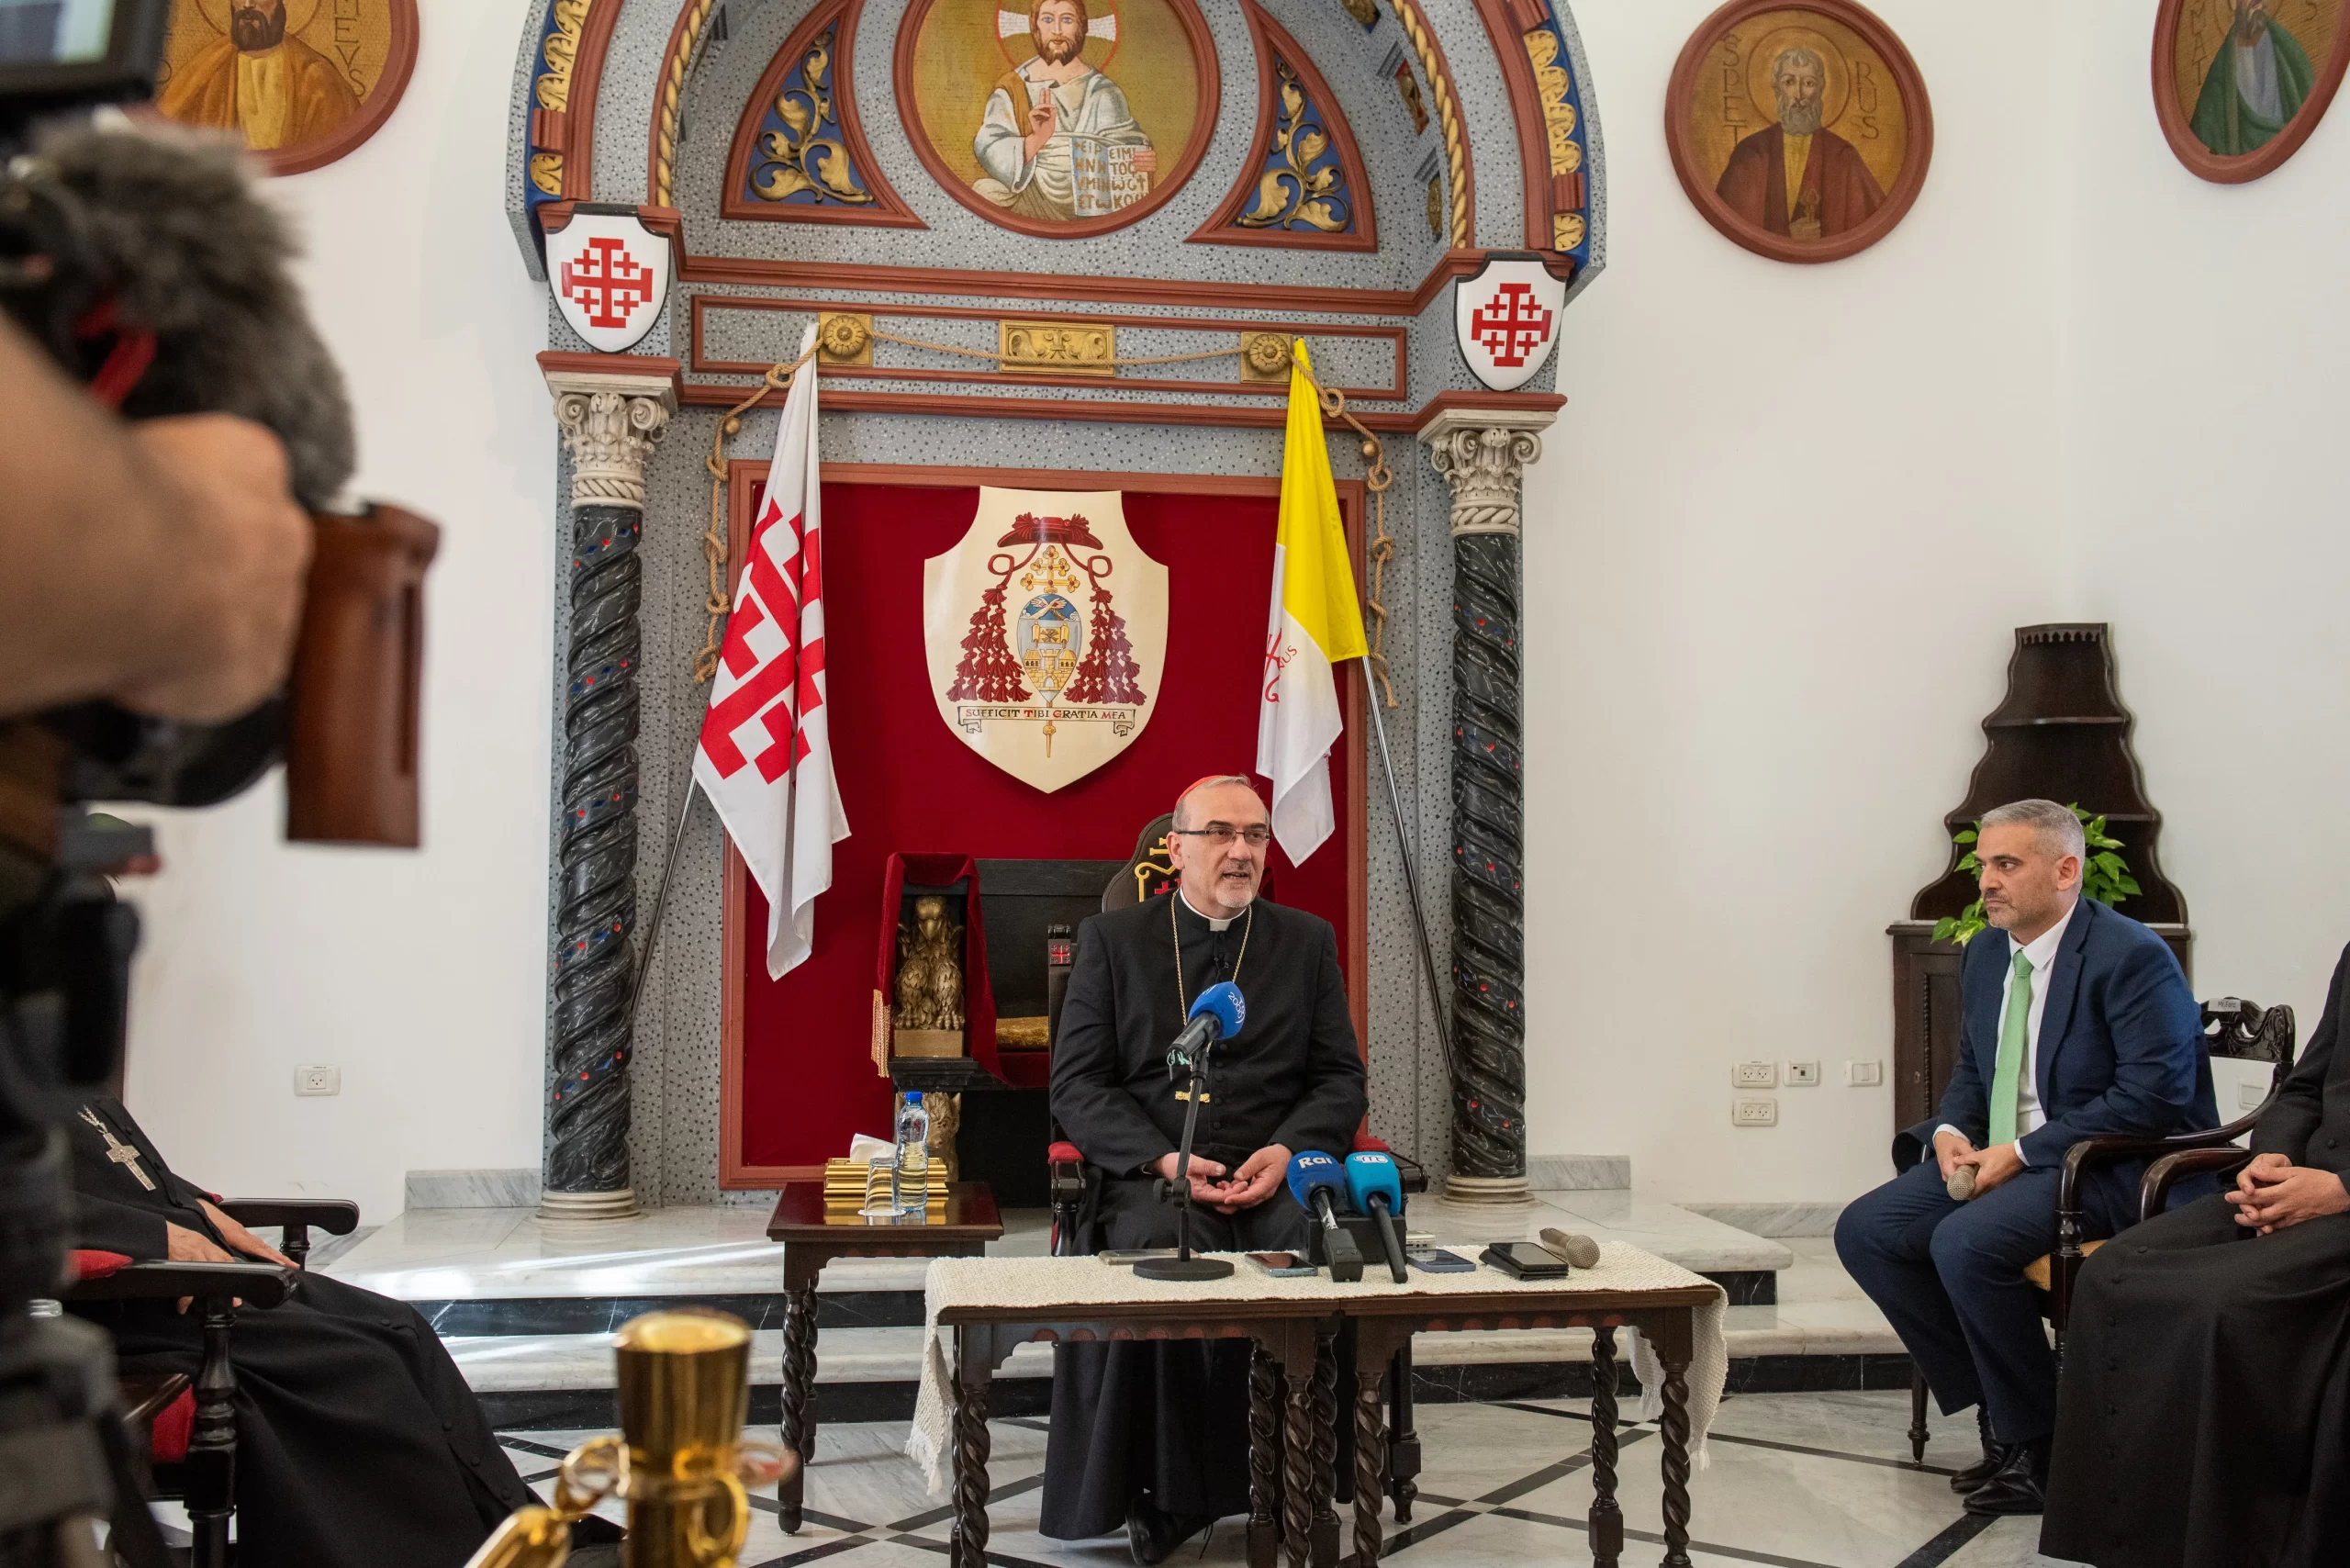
1507, 319
1045, 630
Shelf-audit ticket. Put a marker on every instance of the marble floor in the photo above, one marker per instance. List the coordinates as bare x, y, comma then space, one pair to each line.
441, 1254
1794, 1480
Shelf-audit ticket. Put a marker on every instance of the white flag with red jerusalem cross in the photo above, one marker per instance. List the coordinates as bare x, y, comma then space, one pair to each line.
766, 757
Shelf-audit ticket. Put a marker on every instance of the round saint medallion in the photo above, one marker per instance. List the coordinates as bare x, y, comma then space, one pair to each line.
2239, 85
1066, 119
1800, 131
303, 81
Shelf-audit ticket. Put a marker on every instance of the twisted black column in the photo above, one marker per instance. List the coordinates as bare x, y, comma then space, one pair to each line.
609, 423
1488, 861
1482, 458
596, 901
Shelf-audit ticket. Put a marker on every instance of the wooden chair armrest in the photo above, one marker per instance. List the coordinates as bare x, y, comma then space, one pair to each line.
336, 1217
258, 1284
2153, 1188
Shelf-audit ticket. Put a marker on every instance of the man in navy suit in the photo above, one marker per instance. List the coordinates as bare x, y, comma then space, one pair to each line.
2079, 1023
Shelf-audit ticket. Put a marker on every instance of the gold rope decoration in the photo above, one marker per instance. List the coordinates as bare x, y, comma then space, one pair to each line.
673, 90
713, 543
1378, 478
1456, 155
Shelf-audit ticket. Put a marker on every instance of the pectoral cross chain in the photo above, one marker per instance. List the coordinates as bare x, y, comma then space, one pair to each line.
121, 1153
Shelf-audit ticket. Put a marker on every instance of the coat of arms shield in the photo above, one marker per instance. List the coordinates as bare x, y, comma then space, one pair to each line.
610, 276
1046, 630
1507, 319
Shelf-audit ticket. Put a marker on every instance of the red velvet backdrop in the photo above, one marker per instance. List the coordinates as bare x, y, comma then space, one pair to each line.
807, 1079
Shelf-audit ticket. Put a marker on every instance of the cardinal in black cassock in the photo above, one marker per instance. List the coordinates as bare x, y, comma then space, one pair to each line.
358, 1443
1155, 1437
2204, 1416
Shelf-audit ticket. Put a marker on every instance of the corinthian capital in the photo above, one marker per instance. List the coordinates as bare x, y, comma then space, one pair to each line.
610, 422
1483, 454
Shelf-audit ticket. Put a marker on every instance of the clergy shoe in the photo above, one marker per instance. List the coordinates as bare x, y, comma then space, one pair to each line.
1974, 1475
2018, 1486
1153, 1533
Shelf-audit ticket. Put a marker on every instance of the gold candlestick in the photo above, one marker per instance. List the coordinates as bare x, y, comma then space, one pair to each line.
679, 1461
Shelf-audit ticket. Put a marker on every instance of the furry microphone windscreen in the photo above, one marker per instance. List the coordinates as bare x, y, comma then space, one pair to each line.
169, 227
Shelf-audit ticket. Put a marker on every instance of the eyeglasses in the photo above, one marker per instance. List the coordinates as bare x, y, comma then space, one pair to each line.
1221, 833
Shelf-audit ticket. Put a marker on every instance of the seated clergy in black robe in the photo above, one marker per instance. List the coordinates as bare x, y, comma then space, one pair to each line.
1156, 1436
2204, 1418
358, 1443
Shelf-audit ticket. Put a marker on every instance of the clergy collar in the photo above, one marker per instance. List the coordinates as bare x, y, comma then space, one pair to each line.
1213, 925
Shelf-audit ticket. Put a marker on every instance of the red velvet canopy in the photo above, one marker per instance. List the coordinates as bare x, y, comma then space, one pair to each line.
799, 1078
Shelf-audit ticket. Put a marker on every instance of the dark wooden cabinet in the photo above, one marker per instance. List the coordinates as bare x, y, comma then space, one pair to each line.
2061, 734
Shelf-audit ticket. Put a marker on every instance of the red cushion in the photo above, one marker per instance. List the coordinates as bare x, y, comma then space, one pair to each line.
93, 1265
167, 1438
1367, 1143
1061, 1152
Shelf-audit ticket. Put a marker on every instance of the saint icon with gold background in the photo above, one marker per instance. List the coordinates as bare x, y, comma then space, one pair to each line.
300, 82
1794, 128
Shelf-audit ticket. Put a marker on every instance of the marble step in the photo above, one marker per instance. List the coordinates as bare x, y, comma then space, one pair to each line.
548, 1362
476, 1255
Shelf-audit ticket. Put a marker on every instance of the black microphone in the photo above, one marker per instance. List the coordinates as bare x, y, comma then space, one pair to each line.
1317, 1182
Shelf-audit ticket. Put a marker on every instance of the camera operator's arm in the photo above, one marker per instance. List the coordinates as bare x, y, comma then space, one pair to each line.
160, 566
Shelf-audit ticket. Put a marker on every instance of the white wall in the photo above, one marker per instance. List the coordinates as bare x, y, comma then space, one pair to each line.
1776, 552
419, 975
1784, 530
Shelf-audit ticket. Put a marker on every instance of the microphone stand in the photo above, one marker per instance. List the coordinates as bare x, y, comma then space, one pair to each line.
1184, 1266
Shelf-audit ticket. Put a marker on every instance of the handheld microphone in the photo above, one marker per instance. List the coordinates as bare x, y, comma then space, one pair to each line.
1376, 1190
1217, 1016
1318, 1182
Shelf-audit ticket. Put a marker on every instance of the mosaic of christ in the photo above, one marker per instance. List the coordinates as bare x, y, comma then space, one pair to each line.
1068, 112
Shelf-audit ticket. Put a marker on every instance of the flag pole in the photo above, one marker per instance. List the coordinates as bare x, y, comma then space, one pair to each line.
1411, 873
660, 901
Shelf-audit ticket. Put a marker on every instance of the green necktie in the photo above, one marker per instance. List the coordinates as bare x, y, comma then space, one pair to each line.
2015, 1024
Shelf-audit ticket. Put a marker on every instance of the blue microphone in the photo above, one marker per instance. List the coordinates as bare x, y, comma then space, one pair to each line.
1217, 1016
1319, 1184
1375, 1190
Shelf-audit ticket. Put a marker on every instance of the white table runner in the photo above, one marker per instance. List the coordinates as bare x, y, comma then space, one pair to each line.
1055, 1281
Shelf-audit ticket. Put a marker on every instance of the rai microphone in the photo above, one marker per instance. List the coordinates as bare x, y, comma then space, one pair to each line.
1375, 1190
1217, 1016
1319, 1183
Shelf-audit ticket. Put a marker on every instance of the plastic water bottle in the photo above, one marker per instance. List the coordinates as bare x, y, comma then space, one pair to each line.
910, 1181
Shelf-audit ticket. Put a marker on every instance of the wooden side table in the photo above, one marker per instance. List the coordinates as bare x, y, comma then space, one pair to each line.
812, 1237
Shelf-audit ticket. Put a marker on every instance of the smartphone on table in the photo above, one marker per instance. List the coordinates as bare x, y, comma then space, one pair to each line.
1283, 1265
1437, 1260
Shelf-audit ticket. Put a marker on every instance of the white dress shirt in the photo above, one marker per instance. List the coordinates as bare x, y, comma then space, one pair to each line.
2042, 951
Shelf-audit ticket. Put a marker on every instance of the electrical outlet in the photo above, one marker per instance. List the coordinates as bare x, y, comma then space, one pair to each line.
1863, 1074
2250, 1095
1754, 1113
1803, 1074
316, 1080
1755, 1075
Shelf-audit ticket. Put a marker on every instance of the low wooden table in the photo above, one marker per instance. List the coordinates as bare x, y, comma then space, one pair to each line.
1287, 1333
812, 1238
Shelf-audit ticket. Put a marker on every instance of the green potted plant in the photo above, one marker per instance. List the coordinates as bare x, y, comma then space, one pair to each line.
2105, 877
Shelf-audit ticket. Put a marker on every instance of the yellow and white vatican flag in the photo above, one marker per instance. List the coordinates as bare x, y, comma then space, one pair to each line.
1315, 623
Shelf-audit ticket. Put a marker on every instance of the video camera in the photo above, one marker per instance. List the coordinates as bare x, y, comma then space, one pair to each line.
144, 262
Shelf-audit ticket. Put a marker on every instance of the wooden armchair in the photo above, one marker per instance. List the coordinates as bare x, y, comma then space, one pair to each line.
2234, 1028
189, 1425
